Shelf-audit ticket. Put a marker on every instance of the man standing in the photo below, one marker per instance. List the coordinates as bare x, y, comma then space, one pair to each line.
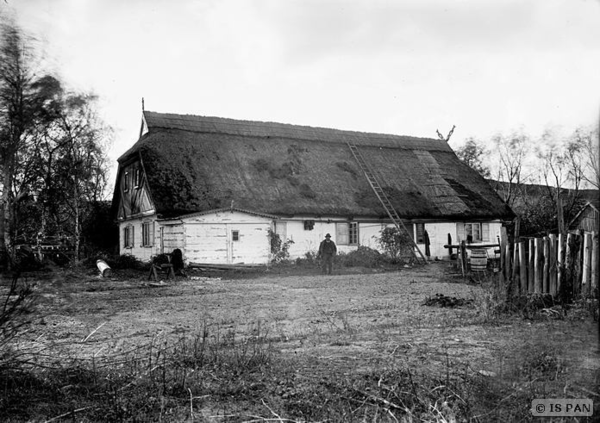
327, 250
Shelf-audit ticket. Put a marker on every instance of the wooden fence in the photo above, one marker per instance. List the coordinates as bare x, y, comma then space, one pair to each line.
554, 264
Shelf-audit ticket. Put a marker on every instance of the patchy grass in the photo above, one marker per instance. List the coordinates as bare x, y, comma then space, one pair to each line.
343, 348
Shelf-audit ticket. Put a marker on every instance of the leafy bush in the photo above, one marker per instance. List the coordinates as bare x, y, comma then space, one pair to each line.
279, 249
362, 257
310, 258
395, 243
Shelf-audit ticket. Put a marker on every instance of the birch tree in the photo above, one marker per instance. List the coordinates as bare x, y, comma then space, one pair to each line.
511, 151
562, 164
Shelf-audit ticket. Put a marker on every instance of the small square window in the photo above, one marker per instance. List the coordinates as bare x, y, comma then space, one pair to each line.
235, 235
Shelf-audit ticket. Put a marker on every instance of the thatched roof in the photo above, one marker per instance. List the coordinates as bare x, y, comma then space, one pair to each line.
196, 163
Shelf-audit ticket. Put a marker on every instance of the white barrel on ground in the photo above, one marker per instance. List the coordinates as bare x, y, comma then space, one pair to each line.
103, 268
478, 260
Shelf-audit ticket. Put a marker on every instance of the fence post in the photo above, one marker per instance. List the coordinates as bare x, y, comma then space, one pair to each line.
560, 260
568, 283
552, 272
503, 248
546, 266
523, 268
595, 260
531, 267
462, 253
515, 279
537, 266
578, 263
585, 274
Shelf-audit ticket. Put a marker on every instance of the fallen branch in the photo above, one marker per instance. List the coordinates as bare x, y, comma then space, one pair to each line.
70, 413
93, 332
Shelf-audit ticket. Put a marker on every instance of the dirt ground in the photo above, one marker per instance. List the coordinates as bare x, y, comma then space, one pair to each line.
344, 321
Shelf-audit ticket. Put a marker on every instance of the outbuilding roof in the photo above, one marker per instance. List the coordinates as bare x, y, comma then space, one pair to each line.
197, 163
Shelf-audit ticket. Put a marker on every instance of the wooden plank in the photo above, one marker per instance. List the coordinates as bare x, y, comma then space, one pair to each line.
523, 268
546, 265
515, 279
463, 258
560, 262
504, 263
552, 260
569, 270
225, 266
531, 267
595, 260
578, 263
471, 246
586, 268
538, 270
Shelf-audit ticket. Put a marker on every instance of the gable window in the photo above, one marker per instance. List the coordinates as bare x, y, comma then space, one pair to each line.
473, 232
346, 233
147, 234
128, 238
137, 178
126, 182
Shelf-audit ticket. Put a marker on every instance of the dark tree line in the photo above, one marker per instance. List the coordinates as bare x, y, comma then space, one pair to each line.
52, 152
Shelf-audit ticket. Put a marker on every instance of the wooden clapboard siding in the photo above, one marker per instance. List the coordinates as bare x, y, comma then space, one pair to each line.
208, 237
173, 237
213, 243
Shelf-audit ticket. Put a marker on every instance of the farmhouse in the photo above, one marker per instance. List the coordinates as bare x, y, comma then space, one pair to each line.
216, 188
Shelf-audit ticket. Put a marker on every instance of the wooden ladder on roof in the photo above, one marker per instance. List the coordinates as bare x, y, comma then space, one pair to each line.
383, 198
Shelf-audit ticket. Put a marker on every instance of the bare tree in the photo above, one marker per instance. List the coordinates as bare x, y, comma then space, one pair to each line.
588, 140
562, 165
512, 151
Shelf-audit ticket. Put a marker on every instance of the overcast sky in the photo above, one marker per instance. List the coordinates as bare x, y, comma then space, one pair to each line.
404, 67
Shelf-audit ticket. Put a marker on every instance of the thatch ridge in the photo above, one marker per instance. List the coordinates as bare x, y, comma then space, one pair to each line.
246, 128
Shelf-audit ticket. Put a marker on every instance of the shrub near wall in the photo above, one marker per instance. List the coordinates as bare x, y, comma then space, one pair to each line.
362, 257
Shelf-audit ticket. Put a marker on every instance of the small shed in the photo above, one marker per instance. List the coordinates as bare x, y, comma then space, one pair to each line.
588, 217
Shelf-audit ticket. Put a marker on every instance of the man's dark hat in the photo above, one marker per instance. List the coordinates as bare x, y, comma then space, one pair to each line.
327, 236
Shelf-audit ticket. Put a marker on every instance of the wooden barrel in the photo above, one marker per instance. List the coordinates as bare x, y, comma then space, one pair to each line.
478, 260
